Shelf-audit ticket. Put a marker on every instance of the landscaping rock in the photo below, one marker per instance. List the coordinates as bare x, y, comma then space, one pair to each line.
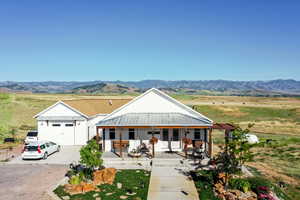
219, 188
237, 193
131, 194
230, 196
83, 187
98, 198
65, 197
137, 198
103, 176
119, 185
123, 197
108, 194
87, 187
95, 195
137, 171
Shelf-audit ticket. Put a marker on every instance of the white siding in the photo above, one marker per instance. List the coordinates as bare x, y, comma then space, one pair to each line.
152, 102
60, 110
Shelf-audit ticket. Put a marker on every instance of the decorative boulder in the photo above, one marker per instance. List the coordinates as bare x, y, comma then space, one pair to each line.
103, 176
87, 187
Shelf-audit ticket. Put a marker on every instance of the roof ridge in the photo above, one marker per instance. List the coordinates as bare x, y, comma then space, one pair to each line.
94, 99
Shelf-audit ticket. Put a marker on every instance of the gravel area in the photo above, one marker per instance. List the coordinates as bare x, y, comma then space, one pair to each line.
28, 182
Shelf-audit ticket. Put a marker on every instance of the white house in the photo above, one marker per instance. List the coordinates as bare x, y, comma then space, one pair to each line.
154, 113
72, 122
133, 122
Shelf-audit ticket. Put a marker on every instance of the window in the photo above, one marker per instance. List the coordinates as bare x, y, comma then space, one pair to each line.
56, 125
197, 133
112, 133
32, 134
205, 135
47, 145
43, 146
131, 135
31, 148
176, 134
165, 134
69, 125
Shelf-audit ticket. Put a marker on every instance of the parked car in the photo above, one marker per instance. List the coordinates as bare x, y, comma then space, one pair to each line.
39, 149
32, 136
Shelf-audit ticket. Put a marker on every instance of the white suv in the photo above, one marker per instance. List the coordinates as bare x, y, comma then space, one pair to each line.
39, 149
32, 136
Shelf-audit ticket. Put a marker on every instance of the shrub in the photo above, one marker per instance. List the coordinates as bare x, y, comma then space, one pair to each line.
90, 155
75, 180
240, 184
258, 182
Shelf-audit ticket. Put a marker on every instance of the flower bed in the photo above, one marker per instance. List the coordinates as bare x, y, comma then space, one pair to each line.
210, 185
128, 184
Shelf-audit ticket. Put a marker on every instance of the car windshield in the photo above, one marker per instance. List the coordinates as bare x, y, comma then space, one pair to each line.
31, 148
32, 134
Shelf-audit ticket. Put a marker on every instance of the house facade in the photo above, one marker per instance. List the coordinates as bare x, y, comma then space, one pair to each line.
154, 113
132, 121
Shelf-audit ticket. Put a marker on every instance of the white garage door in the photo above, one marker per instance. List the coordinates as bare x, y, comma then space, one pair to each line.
64, 132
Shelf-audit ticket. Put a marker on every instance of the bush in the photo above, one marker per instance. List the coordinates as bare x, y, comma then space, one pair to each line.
258, 182
262, 186
75, 180
240, 184
90, 155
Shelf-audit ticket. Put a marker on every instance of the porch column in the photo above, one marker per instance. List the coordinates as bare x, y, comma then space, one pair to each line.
210, 143
121, 145
98, 137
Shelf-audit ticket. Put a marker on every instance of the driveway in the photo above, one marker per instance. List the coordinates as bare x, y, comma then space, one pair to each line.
28, 182
67, 155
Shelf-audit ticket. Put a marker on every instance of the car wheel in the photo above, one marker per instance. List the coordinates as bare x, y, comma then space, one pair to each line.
45, 156
58, 149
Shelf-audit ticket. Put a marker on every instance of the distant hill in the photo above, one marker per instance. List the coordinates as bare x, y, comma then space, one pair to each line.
104, 88
278, 87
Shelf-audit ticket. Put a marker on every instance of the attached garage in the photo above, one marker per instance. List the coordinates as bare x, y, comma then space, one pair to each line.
73, 122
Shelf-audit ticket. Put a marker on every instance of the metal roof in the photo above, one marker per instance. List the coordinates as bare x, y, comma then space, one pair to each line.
155, 119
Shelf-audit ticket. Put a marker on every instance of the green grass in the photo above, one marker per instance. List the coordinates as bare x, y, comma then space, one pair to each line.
248, 113
204, 183
17, 112
135, 180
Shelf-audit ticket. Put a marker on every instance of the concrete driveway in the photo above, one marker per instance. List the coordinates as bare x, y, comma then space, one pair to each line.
67, 155
28, 182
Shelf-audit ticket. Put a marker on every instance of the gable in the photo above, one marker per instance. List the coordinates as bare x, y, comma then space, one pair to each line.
154, 101
59, 109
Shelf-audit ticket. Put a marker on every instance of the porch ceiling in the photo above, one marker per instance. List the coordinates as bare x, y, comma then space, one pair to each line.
155, 120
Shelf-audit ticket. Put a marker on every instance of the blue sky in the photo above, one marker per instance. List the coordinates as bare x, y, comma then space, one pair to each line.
136, 40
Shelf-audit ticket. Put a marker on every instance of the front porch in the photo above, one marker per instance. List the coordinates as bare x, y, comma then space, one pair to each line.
170, 140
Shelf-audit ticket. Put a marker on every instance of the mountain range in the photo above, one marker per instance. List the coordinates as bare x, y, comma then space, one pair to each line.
278, 87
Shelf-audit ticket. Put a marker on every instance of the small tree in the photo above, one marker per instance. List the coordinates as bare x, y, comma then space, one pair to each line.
236, 153
13, 132
90, 155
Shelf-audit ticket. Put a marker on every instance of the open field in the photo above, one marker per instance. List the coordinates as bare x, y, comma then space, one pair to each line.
275, 118
270, 115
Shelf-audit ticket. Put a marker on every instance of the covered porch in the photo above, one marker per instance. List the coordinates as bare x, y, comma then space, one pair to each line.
131, 132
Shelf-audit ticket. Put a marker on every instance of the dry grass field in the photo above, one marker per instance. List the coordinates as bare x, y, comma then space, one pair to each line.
275, 118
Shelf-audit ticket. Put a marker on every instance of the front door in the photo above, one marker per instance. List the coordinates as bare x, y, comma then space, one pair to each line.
175, 141
165, 139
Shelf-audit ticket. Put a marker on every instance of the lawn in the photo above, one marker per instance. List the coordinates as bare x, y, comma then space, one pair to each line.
136, 181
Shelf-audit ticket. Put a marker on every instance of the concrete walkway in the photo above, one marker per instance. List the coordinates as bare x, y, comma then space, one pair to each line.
170, 183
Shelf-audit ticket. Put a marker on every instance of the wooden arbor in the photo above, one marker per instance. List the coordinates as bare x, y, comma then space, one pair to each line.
223, 126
